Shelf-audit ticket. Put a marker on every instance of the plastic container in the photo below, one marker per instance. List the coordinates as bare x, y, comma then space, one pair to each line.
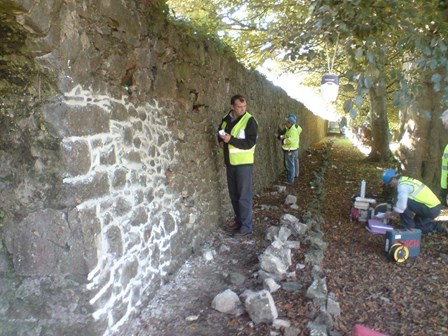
363, 189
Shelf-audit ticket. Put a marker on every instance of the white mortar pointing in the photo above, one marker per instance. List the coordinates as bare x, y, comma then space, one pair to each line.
112, 266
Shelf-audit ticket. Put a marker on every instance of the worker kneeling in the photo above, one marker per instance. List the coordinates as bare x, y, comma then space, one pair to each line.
416, 204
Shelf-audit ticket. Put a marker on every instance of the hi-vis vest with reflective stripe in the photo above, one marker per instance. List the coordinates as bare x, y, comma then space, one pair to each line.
444, 174
240, 156
291, 138
420, 193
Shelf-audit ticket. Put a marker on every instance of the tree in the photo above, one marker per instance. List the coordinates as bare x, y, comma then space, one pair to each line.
376, 38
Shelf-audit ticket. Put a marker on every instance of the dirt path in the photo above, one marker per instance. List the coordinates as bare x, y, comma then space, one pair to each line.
406, 299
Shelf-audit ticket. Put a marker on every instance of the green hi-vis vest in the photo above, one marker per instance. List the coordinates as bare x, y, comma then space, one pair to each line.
240, 156
291, 138
444, 173
421, 193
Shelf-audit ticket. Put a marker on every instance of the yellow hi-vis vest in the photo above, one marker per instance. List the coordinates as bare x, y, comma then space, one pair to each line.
420, 193
240, 156
444, 172
291, 138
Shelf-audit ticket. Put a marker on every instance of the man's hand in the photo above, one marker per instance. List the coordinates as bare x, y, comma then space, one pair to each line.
225, 137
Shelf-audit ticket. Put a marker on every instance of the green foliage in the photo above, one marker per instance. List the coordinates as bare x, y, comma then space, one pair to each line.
366, 43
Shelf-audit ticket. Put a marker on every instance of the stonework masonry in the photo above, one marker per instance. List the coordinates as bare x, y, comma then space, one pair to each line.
110, 176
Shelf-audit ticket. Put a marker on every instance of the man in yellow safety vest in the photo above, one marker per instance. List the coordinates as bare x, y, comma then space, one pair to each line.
444, 169
237, 136
416, 204
290, 138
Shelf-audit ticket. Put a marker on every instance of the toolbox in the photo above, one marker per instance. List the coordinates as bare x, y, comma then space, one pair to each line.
402, 244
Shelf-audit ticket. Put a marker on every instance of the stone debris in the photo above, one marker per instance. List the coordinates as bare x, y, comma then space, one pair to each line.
279, 323
333, 307
192, 318
208, 255
292, 244
271, 285
276, 260
290, 200
291, 286
228, 302
235, 278
261, 307
292, 331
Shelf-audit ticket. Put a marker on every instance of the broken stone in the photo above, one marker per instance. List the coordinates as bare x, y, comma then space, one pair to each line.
279, 323
228, 302
290, 199
261, 307
272, 232
292, 244
270, 285
333, 307
235, 278
318, 291
208, 255
291, 286
292, 331
274, 260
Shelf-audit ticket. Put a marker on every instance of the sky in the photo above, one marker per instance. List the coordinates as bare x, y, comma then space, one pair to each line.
309, 96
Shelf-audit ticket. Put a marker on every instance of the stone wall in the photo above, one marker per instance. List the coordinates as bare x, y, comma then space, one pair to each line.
110, 176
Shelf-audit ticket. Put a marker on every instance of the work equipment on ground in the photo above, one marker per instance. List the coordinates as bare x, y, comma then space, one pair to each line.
400, 245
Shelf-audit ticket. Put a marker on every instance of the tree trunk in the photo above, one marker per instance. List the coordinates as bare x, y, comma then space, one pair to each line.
421, 147
379, 124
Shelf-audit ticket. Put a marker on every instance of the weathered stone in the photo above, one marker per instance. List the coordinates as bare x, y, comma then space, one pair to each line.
139, 216
71, 194
76, 157
119, 178
88, 225
236, 279
41, 245
279, 323
228, 302
107, 156
261, 307
64, 120
115, 240
318, 291
290, 200
270, 285
291, 286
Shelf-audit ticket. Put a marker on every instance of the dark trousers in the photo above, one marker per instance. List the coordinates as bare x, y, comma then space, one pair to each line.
418, 215
239, 183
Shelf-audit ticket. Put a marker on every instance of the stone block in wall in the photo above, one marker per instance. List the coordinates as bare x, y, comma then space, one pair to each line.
119, 112
4, 261
76, 157
88, 225
115, 239
119, 178
44, 244
64, 120
69, 195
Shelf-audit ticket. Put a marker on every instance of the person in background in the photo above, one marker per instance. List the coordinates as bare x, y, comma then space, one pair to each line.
416, 205
444, 169
290, 138
343, 125
237, 136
